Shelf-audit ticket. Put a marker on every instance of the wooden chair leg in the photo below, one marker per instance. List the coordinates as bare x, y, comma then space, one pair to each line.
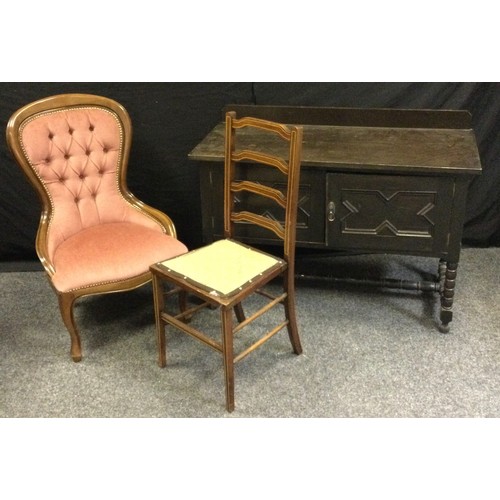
240, 314
66, 302
159, 304
293, 331
182, 297
228, 354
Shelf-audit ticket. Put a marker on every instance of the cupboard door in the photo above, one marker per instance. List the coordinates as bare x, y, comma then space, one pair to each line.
407, 214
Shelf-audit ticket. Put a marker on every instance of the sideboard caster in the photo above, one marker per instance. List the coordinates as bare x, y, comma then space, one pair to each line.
444, 328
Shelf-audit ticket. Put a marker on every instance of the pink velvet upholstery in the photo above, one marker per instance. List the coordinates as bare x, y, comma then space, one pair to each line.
75, 154
94, 235
110, 252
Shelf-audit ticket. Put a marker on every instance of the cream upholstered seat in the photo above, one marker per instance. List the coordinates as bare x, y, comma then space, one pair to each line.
94, 235
223, 268
226, 272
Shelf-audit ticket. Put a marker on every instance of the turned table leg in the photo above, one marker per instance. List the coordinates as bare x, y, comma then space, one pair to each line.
447, 275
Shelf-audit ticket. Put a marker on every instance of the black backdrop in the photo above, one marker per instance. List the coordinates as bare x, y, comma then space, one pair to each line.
169, 119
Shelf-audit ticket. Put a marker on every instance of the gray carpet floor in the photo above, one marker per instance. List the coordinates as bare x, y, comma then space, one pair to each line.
367, 352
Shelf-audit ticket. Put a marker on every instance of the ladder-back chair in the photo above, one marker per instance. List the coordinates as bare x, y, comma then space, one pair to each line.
223, 274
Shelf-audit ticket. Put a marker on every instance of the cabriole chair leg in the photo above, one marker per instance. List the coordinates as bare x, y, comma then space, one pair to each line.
66, 303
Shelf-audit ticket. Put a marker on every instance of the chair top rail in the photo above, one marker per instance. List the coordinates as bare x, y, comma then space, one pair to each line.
249, 121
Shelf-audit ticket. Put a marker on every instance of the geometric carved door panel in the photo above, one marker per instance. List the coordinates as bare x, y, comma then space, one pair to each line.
387, 213
393, 212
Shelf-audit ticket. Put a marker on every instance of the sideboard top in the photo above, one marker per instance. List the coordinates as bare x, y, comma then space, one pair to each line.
431, 141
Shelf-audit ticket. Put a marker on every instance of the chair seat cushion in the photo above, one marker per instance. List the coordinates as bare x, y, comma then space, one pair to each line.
110, 252
224, 267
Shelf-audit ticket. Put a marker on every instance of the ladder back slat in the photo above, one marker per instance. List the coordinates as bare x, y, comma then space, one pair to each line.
258, 157
260, 189
260, 220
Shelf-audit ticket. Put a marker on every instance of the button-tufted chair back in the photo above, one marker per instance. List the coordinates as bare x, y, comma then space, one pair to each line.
94, 235
76, 154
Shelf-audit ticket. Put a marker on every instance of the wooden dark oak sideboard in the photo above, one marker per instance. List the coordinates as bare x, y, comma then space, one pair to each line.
389, 181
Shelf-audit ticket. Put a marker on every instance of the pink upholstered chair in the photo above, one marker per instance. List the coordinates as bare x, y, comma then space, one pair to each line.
94, 235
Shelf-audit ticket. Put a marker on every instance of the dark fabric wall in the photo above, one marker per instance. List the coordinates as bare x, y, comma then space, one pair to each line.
169, 119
